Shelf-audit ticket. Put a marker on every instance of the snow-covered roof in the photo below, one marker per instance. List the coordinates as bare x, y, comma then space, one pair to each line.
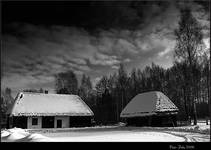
39, 104
149, 103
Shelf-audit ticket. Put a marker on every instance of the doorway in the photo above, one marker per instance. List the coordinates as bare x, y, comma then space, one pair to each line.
48, 122
59, 124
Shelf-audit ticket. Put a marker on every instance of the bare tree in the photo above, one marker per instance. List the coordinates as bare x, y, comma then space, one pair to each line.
189, 43
66, 83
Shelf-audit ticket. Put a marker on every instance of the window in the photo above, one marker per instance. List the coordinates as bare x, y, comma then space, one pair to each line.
34, 121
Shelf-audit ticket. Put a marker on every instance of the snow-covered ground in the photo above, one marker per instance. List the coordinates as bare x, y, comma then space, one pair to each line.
121, 136
119, 133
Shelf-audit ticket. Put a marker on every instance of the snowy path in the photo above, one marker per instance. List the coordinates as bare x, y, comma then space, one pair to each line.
192, 137
132, 135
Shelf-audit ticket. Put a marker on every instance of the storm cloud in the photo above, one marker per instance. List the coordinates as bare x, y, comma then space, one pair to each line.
135, 33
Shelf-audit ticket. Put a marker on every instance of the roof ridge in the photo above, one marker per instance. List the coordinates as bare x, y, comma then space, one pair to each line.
34, 93
148, 92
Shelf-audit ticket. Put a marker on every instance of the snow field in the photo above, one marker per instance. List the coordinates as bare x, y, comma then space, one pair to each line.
118, 133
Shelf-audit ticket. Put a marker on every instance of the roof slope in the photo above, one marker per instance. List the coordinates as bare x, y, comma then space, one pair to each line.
149, 103
37, 104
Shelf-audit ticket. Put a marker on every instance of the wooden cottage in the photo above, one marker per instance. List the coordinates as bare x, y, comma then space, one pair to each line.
150, 109
38, 110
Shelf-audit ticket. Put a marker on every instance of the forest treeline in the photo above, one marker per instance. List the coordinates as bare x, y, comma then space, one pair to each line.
112, 93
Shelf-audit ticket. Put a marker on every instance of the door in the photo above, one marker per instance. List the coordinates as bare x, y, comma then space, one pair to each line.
47, 122
59, 123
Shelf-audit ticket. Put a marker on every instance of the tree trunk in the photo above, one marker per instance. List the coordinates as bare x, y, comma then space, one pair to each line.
185, 103
122, 98
192, 90
195, 100
193, 105
209, 86
117, 109
194, 113
189, 109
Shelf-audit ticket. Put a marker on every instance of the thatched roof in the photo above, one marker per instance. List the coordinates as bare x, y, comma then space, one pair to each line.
149, 103
39, 104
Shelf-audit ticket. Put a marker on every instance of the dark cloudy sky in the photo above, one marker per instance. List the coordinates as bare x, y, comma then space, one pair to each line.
41, 39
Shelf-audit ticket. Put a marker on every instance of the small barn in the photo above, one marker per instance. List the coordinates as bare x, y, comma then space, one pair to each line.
39, 110
150, 109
